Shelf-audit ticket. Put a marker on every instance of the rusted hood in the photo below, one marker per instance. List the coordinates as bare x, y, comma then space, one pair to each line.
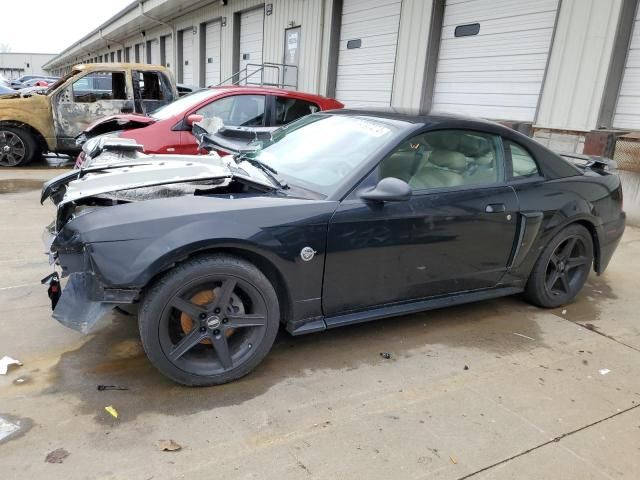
34, 110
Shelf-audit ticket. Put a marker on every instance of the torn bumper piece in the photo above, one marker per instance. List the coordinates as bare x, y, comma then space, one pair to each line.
84, 302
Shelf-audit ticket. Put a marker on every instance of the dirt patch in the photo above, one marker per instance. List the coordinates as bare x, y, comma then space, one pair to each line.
114, 356
16, 185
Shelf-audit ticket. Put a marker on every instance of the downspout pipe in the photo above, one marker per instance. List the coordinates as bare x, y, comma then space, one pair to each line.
174, 36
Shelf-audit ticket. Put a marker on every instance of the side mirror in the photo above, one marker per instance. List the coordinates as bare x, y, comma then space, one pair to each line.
389, 189
194, 118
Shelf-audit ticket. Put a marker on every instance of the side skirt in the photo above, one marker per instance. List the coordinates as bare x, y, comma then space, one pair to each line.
394, 310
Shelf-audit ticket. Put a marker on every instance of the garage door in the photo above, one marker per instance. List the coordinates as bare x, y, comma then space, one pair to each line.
155, 52
367, 52
628, 108
167, 50
493, 55
212, 54
187, 57
251, 37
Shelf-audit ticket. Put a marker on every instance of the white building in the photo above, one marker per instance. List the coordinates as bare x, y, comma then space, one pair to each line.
564, 71
14, 65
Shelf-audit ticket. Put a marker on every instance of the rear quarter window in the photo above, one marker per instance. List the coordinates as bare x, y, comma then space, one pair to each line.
522, 163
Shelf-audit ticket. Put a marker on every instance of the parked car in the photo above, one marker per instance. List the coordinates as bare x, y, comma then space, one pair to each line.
4, 90
37, 82
24, 80
341, 217
51, 121
168, 129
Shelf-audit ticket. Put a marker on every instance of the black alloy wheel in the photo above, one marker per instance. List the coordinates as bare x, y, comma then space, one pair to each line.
562, 268
209, 321
566, 267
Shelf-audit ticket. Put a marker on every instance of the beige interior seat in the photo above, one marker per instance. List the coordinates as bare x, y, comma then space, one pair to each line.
444, 169
402, 165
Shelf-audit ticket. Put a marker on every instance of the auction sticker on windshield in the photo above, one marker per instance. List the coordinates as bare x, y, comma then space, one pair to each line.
371, 128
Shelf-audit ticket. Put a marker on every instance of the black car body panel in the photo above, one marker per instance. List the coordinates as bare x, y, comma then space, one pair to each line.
371, 259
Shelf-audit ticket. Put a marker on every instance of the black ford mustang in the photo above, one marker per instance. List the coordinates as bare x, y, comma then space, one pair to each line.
338, 218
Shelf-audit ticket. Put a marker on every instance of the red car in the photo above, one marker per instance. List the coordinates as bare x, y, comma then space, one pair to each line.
168, 129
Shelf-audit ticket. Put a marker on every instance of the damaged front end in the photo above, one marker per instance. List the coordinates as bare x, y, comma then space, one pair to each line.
121, 175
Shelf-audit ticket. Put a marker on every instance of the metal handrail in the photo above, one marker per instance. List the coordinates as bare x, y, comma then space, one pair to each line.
281, 68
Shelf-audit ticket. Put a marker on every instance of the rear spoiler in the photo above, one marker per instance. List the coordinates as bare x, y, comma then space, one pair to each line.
591, 162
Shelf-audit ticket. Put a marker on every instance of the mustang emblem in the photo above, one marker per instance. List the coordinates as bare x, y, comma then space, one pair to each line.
307, 254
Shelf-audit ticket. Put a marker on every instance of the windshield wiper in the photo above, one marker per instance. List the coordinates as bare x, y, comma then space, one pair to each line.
268, 170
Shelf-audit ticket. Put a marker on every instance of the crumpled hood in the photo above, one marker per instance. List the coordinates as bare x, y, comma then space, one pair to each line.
118, 122
146, 171
113, 123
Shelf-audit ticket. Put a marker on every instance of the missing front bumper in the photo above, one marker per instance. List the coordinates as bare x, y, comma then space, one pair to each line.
84, 302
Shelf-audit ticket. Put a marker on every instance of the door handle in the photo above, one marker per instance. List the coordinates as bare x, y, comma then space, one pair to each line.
495, 208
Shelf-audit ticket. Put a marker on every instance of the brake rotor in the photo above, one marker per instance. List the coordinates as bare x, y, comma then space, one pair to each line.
205, 297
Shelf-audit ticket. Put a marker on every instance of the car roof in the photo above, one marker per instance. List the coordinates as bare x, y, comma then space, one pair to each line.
119, 65
268, 90
553, 165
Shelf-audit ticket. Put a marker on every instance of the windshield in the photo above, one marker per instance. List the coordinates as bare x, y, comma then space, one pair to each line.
181, 105
319, 152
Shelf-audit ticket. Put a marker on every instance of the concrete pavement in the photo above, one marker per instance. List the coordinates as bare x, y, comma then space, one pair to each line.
532, 402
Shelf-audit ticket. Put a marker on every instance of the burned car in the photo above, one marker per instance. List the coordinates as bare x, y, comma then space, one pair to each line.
338, 218
48, 120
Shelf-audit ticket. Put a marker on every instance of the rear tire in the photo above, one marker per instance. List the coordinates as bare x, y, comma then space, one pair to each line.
562, 268
210, 320
17, 147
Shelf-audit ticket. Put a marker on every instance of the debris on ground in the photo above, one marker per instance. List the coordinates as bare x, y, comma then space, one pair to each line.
111, 387
466, 367
19, 381
603, 371
7, 428
112, 411
453, 459
5, 362
169, 446
523, 336
385, 355
564, 312
57, 456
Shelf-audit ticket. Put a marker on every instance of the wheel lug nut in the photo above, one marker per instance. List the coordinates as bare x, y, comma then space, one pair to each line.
216, 332
203, 329
217, 310
225, 320
203, 316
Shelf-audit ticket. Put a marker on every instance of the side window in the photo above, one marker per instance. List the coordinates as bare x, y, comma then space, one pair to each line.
290, 109
523, 164
446, 158
236, 110
99, 86
149, 85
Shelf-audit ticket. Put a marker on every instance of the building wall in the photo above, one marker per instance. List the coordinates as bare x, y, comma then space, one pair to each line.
14, 65
411, 55
578, 66
572, 93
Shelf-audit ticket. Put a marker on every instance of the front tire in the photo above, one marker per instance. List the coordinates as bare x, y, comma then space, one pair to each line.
209, 321
17, 147
562, 269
